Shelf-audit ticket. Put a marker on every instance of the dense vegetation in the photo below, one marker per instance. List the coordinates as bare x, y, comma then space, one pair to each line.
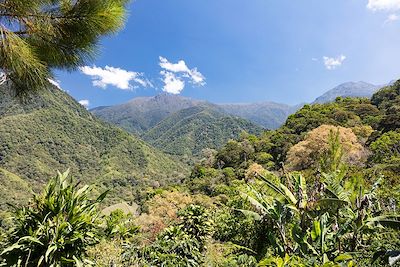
189, 131
322, 190
143, 113
177, 125
50, 131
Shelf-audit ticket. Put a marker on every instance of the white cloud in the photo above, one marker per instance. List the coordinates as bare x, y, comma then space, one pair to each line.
314, 59
177, 67
332, 63
391, 18
3, 77
383, 5
172, 83
84, 102
120, 78
56, 83
174, 74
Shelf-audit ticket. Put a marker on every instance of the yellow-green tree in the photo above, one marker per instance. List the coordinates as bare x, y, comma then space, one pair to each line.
307, 153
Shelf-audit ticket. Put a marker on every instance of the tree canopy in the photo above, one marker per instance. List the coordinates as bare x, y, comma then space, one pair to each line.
39, 35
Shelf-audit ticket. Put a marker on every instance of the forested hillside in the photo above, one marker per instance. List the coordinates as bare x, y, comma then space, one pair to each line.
171, 181
191, 130
177, 125
141, 114
48, 131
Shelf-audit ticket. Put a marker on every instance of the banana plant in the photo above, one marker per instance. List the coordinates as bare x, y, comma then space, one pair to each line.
279, 205
357, 211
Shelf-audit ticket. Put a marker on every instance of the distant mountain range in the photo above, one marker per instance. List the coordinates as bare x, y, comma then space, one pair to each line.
176, 124
142, 113
349, 89
269, 115
184, 126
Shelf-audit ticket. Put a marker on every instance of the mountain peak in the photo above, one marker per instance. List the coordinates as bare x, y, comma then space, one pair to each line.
348, 89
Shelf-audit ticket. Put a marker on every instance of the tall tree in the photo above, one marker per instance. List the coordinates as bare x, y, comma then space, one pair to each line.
37, 36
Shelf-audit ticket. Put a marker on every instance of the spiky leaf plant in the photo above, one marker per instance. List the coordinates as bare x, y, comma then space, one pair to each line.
39, 35
56, 228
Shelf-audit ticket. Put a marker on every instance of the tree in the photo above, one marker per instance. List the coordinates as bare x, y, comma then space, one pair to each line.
386, 150
388, 101
56, 228
39, 35
306, 153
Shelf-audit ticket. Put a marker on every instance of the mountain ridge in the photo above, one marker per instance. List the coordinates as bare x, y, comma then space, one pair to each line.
50, 131
131, 115
348, 89
140, 114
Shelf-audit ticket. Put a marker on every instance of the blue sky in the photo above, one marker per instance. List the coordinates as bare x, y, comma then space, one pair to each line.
242, 50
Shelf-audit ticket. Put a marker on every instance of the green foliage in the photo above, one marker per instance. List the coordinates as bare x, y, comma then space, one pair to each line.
189, 131
231, 225
37, 36
285, 261
119, 224
56, 228
51, 131
386, 150
331, 161
228, 255
334, 213
388, 101
179, 245
196, 222
173, 247
322, 225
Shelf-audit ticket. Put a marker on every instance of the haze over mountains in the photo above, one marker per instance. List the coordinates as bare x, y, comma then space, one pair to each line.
349, 89
269, 115
142, 113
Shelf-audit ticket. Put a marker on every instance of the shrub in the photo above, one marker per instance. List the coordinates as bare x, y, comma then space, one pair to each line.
56, 228
178, 245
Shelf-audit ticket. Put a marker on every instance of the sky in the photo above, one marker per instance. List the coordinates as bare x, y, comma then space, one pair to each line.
241, 51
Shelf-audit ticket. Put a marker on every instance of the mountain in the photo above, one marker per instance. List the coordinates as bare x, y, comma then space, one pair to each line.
349, 89
175, 124
269, 115
142, 113
50, 131
190, 130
